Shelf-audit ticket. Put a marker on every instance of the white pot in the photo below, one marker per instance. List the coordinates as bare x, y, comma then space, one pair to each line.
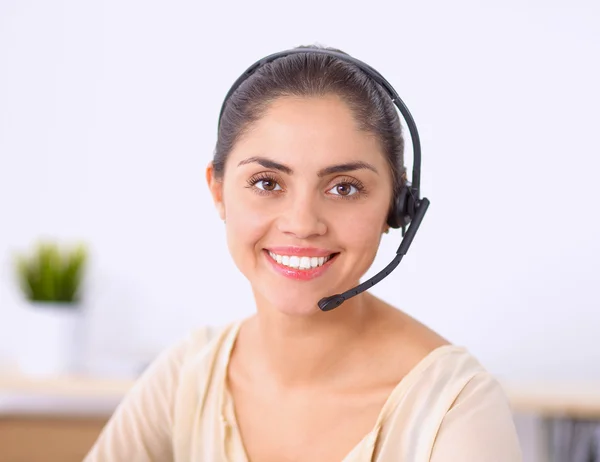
49, 338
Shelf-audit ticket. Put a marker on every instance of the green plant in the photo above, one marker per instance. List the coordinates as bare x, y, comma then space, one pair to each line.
52, 274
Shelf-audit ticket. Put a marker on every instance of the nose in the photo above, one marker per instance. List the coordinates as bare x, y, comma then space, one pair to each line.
302, 218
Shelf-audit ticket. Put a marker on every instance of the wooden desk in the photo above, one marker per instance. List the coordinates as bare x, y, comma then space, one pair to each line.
47, 438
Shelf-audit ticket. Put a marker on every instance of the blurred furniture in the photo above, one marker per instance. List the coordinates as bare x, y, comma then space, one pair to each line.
570, 418
552, 400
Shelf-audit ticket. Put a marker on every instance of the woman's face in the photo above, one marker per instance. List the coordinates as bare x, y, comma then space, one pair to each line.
305, 196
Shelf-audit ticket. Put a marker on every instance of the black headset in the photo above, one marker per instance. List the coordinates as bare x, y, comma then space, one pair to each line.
408, 208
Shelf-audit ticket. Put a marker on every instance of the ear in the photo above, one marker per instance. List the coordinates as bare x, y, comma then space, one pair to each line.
386, 227
216, 190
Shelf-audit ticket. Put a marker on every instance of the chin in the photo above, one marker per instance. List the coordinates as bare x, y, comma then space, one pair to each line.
289, 300
293, 304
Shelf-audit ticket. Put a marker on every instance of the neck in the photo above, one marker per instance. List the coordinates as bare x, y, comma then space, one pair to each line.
309, 349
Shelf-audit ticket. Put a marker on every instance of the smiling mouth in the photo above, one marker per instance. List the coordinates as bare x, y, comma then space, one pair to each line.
300, 263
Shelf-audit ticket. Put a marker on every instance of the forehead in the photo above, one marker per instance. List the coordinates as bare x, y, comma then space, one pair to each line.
310, 132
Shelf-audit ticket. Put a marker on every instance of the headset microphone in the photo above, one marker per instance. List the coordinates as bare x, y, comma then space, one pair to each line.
333, 301
408, 208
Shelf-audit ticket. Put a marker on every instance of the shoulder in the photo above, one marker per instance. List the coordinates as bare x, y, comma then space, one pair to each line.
448, 397
166, 371
406, 341
478, 425
142, 425
458, 409
205, 343
189, 346
442, 374
201, 360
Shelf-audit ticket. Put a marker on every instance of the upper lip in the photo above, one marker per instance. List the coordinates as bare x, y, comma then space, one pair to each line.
301, 251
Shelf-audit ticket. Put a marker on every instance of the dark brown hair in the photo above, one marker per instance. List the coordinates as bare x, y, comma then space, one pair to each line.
308, 75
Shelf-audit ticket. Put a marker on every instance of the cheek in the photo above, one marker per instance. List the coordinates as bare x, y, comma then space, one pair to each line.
364, 235
246, 225
360, 232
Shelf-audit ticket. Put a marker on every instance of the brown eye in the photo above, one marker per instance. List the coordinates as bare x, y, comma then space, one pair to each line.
268, 185
344, 189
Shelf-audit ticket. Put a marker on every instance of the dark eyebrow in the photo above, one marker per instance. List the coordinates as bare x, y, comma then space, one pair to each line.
333, 169
267, 163
348, 167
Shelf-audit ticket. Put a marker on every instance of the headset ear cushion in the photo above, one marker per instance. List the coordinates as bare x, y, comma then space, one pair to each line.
398, 216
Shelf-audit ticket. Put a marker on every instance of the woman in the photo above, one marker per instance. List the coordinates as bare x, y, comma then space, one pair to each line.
308, 162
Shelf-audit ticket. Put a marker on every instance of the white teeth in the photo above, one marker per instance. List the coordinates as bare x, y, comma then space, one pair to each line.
303, 263
294, 261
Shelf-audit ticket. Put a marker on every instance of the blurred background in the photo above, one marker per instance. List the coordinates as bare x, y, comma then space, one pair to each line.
108, 115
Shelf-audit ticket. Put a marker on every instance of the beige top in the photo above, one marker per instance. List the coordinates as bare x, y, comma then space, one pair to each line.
446, 409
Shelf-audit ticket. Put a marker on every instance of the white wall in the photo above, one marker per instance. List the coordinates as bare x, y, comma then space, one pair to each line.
108, 117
